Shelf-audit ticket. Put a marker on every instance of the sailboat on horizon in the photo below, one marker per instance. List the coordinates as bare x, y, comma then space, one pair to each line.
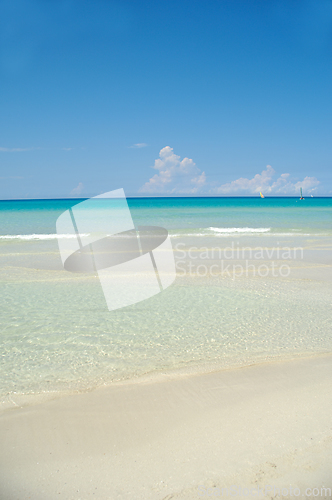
301, 198
261, 195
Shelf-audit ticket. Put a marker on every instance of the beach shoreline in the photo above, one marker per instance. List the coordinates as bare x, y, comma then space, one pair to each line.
266, 424
13, 401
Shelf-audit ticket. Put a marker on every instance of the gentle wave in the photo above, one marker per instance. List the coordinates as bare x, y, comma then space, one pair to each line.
50, 236
240, 229
211, 231
38, 236
220, 231
207, 233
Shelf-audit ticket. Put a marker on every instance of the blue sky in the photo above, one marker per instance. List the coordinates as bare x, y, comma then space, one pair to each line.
165, 97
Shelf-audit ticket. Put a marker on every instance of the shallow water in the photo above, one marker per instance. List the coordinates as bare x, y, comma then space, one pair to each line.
58, 335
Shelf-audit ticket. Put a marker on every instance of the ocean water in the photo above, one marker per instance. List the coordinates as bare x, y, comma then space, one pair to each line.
57, 335
185, 215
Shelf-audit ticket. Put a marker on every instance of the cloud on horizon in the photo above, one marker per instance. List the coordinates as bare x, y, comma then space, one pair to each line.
265, 183
138, 145
174, 175
78, 190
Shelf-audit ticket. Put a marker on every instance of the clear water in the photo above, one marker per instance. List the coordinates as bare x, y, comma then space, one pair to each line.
58, 335
313, 215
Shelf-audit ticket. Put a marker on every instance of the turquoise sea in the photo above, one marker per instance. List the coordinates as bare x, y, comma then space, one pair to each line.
196, 215
57, 335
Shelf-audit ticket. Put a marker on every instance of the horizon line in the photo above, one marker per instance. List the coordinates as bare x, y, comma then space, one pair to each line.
163, 197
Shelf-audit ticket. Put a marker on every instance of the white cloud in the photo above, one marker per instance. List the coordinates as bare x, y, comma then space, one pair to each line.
78, 190
264, 182
174, 175
139, 145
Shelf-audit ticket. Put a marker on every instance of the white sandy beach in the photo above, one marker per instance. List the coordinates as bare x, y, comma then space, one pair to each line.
181, 437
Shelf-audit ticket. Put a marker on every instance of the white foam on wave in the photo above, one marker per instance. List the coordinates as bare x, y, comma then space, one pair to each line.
211, 231
221, 235
240, 229
228, 232
38, 236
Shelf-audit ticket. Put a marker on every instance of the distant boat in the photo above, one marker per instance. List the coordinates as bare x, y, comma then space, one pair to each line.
261, 194
301, 198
